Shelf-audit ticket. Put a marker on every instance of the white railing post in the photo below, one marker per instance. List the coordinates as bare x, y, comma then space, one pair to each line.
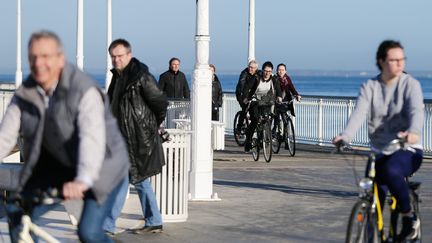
320, 121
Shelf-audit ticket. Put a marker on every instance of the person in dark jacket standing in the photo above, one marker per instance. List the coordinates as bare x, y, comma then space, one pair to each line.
173, 82
216, 94
140, 107
71, 141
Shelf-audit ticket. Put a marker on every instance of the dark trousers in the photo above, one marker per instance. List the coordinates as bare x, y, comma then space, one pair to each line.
242, 115
391, 171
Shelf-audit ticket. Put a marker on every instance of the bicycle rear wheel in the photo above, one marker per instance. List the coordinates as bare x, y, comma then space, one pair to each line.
396, 219
255, 149
276, 138
362, 226
267, 142
240, 135
289, 136
415, 204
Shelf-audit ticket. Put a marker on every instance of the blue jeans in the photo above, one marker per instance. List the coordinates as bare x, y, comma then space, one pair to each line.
89, 227
148, 202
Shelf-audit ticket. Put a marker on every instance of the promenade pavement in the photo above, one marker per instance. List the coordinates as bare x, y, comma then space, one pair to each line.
306, 198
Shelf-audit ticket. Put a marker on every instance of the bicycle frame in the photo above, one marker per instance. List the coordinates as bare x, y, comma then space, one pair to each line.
29, 226
368, 191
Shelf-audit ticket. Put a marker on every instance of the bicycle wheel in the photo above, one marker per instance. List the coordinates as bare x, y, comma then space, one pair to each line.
362, 225
255, 149
240, 136
276, 138
289, 136
415, 204
267, 142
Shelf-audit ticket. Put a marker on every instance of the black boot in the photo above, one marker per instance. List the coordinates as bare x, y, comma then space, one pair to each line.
410, 228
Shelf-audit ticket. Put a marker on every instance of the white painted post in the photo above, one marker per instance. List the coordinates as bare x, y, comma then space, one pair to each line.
251, 30
108, 75
18, 73
201, 176
80, 35
320, 121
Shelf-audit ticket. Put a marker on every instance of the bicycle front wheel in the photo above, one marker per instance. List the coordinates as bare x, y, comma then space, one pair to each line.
240, 134
362, 225
267, 142
289, 136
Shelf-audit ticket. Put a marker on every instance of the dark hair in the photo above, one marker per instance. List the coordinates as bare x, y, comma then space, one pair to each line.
213, 66
119, 42
281, 64
383, 49
267, 64
173, 59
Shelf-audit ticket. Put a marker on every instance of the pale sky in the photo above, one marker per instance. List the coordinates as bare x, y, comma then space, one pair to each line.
304, 34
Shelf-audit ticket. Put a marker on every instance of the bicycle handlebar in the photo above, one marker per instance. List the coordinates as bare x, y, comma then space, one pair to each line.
37, 197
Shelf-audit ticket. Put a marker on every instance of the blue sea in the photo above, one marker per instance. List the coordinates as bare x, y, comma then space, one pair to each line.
317, 84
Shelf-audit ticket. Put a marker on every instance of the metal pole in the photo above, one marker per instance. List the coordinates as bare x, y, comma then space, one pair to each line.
201, 175
251, 30
108, 75
18, 73
80, 35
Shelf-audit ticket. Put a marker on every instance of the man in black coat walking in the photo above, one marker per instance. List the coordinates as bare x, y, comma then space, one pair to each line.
173, 82
140, 107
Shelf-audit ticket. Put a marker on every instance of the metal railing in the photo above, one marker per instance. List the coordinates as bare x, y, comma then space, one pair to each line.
319, 118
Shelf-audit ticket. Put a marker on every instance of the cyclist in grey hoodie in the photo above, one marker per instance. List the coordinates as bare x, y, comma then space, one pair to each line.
393, 104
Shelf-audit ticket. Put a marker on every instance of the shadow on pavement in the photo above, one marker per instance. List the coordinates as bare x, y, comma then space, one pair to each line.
287, 189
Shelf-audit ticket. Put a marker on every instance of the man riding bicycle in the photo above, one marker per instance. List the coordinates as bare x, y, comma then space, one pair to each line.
263, 87
393, 104
70, 138
248, 75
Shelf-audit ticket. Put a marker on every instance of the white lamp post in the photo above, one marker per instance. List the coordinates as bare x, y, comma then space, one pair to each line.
251, 30
80, 35
108, 75
18, 73
201, 175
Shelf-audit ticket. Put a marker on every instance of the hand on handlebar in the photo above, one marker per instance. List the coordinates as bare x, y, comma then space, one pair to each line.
339, 143
408, 137
74, 190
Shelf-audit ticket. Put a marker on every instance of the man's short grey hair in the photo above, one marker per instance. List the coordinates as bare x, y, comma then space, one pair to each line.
48, 35
253, 62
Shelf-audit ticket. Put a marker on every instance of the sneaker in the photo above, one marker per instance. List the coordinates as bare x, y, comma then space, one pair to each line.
148, 229
410, 228
116, 232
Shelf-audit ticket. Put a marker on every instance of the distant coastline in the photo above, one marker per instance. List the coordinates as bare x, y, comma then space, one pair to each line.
307, 82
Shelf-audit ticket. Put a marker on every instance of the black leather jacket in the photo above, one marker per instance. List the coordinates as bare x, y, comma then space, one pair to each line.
174, 85
141, 108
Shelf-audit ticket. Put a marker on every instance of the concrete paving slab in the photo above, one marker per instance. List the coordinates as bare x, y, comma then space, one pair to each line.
306, 198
